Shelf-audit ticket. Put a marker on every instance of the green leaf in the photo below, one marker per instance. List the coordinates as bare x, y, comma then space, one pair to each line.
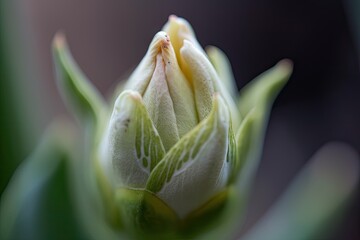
315, 198
262, 91
20, 121
81, 96
256, 99
38, 203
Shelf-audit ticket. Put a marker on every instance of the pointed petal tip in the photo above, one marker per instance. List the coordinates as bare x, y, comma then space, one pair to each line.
59, 40
173, 17
162, 37
135, 95
128, 94
186, 46
160, 42
126, 101
182, 24
286, 65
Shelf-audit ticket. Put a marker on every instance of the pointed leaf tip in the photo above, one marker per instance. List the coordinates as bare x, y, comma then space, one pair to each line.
82, 97
59, 40
263, 90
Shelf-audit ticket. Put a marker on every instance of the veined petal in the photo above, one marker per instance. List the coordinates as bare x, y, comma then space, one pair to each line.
160, 106
197, 167
200, 76
180, 91
223, 67
166, 92
132, 147
140, 78
205, 81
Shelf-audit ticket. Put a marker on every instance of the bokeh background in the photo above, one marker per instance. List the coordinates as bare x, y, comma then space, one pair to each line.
321, 102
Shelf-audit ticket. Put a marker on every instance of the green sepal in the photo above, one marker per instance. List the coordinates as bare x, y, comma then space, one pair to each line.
262, 91
205, 218
144, 215
147, 217
82, 97
256, 100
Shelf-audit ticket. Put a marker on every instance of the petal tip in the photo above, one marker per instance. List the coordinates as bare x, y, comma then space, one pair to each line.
160, 41
173, 17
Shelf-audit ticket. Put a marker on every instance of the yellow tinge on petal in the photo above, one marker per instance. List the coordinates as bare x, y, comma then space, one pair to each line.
179, 30
167, 94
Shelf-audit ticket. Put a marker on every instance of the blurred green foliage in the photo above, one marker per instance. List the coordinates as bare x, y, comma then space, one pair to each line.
11, 148
17, 114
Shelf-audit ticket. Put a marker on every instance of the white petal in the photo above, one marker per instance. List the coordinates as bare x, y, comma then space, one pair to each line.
140, 78
131, 147
205, 80
160, 106
197, 167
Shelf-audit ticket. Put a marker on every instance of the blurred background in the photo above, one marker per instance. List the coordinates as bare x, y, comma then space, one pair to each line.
321, 102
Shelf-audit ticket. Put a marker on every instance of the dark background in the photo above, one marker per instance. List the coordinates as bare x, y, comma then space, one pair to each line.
321, 102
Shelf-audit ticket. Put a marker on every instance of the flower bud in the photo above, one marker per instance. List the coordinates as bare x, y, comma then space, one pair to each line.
168, 149
171, 129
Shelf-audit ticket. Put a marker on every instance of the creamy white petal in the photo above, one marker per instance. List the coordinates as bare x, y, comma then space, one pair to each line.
180, 92
200, 76
131, 147
205, 80
198, 166
167, 94
179, 30
140, 78
160, 106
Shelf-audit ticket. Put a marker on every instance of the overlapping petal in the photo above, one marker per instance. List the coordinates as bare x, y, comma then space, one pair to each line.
197, 167
132, 146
